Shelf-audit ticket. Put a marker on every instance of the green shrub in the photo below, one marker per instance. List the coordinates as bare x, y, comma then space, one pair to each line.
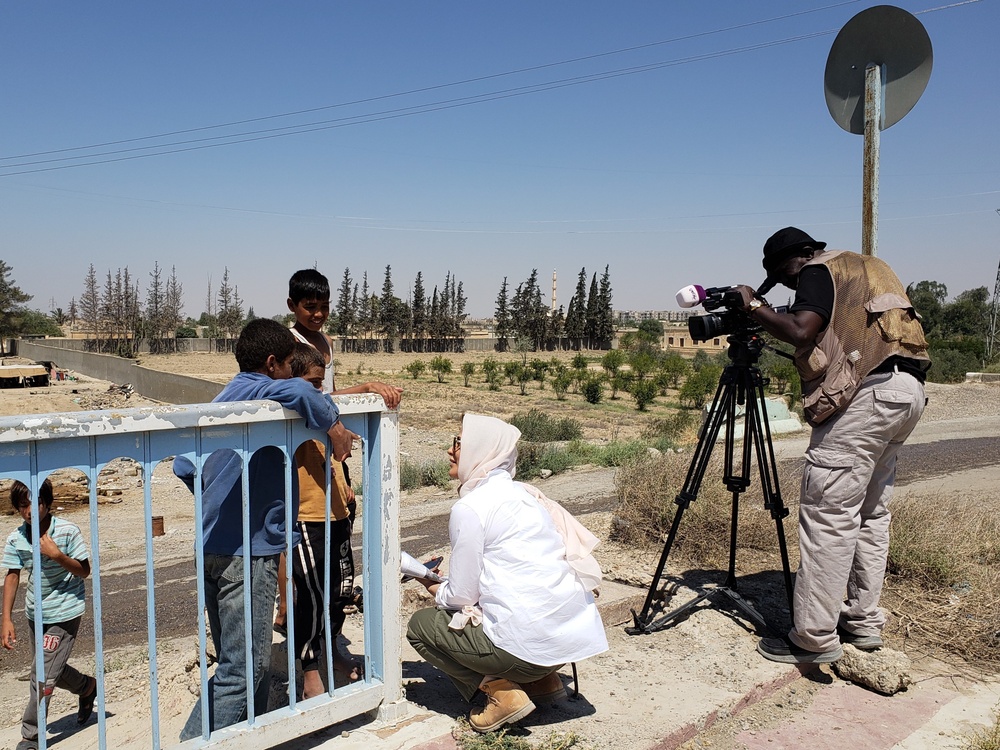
562, 379
642, 363
620, 381
539, 369
468, 370
699, 385
491, 368
532, 458
593, 390
613, 454
643, 392
441, 366
416, 368
428, 474
523, 378
950, 365
409, 475
674, 367
538, 427
512, 371
612, 362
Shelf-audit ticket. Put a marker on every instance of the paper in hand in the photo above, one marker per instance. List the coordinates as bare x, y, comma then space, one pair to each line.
411, 567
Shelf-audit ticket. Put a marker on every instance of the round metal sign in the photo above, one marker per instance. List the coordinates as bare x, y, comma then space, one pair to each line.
883, 35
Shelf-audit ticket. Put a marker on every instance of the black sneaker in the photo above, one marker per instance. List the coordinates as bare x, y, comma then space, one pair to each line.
784, 651
86, 707
860, 642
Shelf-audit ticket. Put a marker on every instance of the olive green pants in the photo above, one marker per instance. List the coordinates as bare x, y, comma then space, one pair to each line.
466, 655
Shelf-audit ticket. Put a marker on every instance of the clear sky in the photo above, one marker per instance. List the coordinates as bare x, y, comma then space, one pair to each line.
666, 139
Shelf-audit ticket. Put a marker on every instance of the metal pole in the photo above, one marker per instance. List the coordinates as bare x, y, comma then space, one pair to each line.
991, 337
873, 127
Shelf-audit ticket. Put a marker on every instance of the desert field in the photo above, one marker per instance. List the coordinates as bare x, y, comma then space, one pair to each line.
438, 407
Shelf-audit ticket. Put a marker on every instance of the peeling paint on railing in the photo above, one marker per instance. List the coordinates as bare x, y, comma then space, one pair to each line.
32, 446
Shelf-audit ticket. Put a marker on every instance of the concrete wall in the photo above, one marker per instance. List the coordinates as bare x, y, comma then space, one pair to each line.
160, 386
183, 345
982, 377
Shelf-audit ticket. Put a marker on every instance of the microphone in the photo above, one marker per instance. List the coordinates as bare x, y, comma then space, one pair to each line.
693, 294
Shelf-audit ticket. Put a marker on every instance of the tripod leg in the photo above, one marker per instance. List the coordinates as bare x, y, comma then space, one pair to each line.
724, 395
768, 468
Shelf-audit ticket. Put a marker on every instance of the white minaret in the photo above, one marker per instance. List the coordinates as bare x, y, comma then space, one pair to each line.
553, 290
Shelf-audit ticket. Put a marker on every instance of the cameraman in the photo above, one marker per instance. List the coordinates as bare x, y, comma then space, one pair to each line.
861, 355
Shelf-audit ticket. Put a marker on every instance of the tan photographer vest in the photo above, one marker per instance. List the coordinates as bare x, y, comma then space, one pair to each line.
872, 320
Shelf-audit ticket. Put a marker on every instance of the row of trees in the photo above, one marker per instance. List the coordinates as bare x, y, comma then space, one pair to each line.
423, 322
117, 319
587, 323
956, 331
118, 315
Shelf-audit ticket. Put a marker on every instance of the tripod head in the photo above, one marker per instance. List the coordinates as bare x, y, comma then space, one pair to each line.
745, 348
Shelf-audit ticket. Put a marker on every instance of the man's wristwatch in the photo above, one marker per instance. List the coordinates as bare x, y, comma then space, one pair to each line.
754, 306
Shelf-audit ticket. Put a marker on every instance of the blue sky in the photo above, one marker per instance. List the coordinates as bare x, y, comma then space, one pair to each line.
673, 174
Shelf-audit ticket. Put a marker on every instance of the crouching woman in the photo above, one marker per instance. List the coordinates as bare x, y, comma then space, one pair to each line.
513, 608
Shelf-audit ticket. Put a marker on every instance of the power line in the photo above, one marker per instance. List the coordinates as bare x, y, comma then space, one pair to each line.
435, 87
183, 146
283, 132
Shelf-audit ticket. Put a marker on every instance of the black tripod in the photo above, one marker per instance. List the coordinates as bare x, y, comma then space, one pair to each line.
741, 383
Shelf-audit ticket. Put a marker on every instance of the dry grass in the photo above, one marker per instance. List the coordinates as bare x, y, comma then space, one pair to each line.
943, 586
647, 489
986, 739
943, 583
511, 738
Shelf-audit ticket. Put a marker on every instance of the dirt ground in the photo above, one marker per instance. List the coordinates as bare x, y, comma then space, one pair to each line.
429, 415
430, 405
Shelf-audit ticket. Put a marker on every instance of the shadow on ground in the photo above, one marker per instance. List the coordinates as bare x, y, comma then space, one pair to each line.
763, 591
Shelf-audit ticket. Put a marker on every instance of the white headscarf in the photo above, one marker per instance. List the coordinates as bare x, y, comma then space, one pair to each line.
489, 443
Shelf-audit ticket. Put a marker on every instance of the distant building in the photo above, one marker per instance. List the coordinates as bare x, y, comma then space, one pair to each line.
678, 338
667, 316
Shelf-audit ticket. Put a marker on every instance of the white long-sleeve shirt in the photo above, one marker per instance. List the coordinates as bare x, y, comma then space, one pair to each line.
508, 558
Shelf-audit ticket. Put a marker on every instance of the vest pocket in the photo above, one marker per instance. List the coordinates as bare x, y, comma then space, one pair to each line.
896, 319
825, 396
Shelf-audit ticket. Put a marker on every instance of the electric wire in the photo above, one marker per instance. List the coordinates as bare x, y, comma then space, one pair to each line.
436, 87
196, 144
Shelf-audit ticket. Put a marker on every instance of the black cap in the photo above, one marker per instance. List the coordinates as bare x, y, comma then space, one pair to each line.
781, 245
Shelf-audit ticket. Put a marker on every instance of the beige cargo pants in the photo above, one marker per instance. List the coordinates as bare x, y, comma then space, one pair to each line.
844, 515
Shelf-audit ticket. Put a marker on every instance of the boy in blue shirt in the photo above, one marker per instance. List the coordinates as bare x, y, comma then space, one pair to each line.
264, 353
65, 563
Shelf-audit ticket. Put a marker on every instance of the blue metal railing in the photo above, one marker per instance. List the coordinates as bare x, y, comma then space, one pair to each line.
33, 446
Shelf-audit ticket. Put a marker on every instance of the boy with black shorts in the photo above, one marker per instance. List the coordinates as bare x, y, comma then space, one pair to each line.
309, 560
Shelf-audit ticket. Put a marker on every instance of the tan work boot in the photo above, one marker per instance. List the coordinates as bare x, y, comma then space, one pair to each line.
505, 704
545, 690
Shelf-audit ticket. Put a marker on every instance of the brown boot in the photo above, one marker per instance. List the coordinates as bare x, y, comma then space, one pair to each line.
545, 690
505, 704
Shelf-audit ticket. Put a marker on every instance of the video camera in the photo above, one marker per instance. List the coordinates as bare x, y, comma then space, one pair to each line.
731, 320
